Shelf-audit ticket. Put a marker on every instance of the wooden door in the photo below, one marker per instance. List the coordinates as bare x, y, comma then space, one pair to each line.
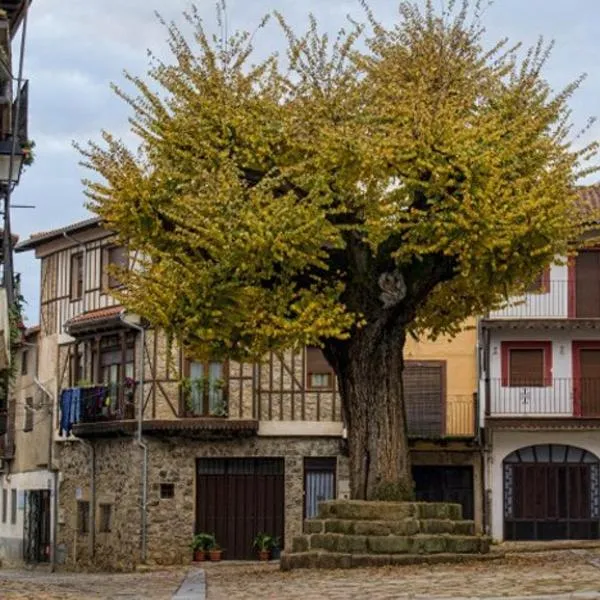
587, 284
236, 498
589, 382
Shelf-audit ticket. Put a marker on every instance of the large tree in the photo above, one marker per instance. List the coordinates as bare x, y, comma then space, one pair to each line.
391, 182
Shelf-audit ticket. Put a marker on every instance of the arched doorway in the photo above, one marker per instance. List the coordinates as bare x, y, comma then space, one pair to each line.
551, 492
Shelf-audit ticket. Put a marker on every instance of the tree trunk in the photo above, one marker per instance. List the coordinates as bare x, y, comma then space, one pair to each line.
370, 374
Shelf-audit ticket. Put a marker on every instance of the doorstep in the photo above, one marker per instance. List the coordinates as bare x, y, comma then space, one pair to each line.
547, 546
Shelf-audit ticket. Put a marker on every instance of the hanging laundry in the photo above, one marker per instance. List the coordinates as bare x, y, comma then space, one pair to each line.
65, 412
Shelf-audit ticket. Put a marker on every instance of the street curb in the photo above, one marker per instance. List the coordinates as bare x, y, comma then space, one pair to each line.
194, 586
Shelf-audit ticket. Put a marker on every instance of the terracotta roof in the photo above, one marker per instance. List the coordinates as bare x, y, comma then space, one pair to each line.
94, 317
36, 239
590, 195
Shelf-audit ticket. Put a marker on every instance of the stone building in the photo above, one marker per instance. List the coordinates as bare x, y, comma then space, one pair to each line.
221, 447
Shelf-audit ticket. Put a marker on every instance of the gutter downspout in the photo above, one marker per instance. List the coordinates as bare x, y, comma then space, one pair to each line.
81, 245
54, 470
139, 440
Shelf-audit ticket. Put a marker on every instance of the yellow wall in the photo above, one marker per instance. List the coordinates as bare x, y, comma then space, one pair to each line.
459, 354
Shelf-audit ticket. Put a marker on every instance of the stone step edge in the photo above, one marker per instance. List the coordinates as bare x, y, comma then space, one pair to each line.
426, 526
336, 560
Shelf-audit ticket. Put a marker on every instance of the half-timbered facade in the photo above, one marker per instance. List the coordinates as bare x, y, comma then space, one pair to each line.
541, 388
225, 447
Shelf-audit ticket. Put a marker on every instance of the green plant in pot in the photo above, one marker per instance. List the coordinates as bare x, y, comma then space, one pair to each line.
215, 551
201, 544
264, 543
276, 548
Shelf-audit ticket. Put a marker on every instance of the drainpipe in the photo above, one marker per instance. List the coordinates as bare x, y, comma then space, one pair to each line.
82, 246
139, 440
54, 471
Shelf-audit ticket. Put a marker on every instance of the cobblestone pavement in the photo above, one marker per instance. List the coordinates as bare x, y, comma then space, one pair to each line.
40, 585
536, 574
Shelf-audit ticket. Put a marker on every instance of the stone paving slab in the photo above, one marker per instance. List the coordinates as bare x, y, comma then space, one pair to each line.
193, 586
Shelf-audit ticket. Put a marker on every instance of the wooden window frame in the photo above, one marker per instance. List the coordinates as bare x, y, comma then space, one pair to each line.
104, 522
444, 386
544, 345
28, 408
83, 517
184, 411
76, 285
310, 372
543, 282
24, 362
104, 264
13, 506
576, 347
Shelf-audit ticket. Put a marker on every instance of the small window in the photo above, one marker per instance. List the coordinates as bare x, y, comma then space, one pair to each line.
76, 276
24, 362
112, 256
167, 490
4, 505
319, 374
83, 516
28, 422
105, 518
13, 507
526, 367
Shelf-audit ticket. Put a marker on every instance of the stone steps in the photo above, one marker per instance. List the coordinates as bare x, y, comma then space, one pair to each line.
407, 526
339, 560
391, 544
364, 510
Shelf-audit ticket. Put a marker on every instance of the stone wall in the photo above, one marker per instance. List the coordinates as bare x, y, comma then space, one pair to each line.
170, 521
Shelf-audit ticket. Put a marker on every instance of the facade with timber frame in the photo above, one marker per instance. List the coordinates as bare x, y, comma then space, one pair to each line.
226, 447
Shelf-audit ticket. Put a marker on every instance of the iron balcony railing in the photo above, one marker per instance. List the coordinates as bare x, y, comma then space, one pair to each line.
555, 397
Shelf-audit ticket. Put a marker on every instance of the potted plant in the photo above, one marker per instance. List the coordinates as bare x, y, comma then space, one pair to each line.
215, 552
263, 542
276, 549
201, 543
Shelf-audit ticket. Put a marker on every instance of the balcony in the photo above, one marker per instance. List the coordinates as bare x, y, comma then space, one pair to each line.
558, 299
561, 397
454, 418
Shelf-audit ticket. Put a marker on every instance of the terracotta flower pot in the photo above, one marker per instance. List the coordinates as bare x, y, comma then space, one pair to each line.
264, 555
199, 555
215, 555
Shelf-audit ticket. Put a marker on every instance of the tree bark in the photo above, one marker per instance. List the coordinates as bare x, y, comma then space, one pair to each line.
369, 368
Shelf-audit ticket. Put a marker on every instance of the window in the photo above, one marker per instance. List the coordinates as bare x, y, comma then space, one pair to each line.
424, 397
319, 483
105, 518
319, 374
117, 257
526, 364
24, 362
28, 422
76, 276
13, 507
204, 391
83, 516
4, 505
167, 490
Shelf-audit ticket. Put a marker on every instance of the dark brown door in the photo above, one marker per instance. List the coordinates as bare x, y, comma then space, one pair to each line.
236, 498
589, 383
587, 284
445, 484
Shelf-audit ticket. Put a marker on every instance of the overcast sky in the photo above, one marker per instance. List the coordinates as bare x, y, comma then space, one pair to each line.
75, 48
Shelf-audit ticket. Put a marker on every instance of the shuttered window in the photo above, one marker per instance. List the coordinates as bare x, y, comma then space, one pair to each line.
424, 398
112, 256
76, 276
526, 367
319, 374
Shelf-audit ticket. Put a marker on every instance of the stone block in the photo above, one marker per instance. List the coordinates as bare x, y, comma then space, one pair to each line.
339, 526
372, 527
302, 560
429, 544
334, 560
464, 527
484, 544
437, 526
390, 544
463, 544
300, 543
405, 527
313, 526
335, 542
370, 560
439, 510
362, 510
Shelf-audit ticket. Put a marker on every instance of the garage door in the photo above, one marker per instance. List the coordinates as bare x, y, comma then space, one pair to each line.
237, 498
551, 492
